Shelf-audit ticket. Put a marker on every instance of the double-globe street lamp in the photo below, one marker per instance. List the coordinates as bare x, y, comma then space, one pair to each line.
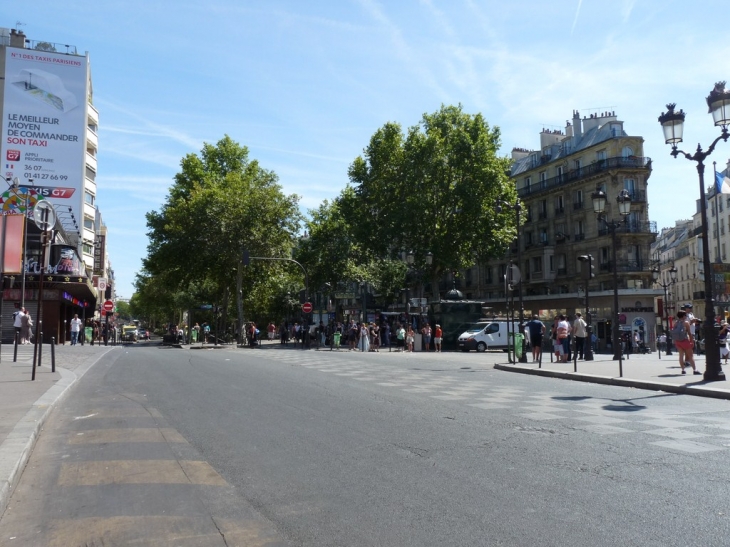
517, 207
656, 274
624, 208
672, 123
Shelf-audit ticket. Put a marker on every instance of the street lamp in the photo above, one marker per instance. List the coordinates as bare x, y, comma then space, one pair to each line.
410, 260
517, 206
588, 344
624, 208
656, 274
672, 123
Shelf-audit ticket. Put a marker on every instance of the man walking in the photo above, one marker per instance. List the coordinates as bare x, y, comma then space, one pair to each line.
579, 330
76, 325
18, 322
536, 329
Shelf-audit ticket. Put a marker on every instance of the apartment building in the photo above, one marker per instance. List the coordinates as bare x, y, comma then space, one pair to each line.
48, 149
555, 184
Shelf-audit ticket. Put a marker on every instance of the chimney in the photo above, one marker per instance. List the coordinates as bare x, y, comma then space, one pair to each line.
519, 153
17, 38
568, 129
577, 132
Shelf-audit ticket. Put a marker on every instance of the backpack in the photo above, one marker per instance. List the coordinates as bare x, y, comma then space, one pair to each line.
679, 333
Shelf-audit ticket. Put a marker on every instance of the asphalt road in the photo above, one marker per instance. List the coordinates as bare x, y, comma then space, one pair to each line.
285, 447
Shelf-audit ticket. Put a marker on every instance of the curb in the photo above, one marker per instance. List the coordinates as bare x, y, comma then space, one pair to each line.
621, 382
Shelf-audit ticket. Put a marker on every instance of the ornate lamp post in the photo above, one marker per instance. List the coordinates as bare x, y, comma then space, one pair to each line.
656, 274
517, 206
624, 208
672, 123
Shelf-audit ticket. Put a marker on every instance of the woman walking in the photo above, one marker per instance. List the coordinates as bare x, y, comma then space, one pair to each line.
364, 344
26, 331
682, 336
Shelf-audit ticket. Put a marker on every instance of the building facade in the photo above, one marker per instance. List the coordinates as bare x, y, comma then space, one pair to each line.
555, 185
49, 147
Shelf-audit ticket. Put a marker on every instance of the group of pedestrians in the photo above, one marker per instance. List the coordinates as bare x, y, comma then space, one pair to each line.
360, 336
562, 333
23, 324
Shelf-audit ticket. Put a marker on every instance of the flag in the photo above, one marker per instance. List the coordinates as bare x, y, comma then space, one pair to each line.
722, 183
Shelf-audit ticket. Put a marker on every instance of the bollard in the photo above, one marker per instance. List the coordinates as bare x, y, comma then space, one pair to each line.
15, 348
53, 354
40, 343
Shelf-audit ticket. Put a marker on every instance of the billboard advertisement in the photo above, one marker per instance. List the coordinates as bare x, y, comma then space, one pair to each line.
44, 129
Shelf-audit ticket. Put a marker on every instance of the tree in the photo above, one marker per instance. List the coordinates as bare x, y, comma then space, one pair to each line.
221, 202
432, 190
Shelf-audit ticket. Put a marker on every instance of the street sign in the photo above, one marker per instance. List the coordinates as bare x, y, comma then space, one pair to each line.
307, 307
44, 215
107, 306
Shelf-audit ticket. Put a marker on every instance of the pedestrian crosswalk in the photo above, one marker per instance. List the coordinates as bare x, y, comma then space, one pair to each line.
703, 429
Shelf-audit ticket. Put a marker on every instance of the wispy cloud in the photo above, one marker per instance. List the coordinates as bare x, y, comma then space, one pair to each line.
575, 20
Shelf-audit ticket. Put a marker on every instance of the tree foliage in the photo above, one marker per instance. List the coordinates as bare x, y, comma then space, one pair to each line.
432, 189
220, 203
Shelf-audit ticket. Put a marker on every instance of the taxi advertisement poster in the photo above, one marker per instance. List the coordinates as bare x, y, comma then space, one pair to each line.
44, 128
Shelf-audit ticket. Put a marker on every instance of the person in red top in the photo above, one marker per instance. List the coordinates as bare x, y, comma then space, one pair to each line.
272, 330
437, 337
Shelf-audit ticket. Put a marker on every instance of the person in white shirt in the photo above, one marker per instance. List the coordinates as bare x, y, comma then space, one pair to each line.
76, 324
18, 322
579, 330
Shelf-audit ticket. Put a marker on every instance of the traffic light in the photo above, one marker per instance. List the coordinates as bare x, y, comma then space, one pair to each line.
108, 291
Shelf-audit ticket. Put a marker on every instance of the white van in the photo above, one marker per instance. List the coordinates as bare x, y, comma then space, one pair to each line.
487, 335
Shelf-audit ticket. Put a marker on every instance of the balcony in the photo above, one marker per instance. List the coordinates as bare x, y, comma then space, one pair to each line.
698, 295
578, 205
542, 215
560, 211
641, 227
631, 162
580, 237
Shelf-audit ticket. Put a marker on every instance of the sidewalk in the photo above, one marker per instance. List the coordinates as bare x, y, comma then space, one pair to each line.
645, 371
26, 404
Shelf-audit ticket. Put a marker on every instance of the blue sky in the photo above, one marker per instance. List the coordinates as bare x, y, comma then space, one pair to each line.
305, 84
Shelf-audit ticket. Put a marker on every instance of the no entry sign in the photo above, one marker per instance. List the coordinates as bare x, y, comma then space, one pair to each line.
107, 306
307, 307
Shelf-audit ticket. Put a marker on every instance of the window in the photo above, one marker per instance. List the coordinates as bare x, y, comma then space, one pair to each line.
90, 174
543, 208
627, 152
576, 165
526, 186
87, 248
578, 229
630, 185
559, 204
537, 264
543, 235
578, 199
559, 172
89, 223
89, 197
601, 155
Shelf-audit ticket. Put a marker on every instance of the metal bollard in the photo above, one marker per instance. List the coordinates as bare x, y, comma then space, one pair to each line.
40, 343
53, 354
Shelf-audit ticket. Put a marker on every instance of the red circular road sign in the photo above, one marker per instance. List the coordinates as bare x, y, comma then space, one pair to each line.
307, 307
107, 306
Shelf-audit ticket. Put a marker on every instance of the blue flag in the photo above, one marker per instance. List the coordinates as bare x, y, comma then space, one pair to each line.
722, 183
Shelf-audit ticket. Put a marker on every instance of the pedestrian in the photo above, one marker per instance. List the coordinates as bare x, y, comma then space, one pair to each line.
438, 336
722, 336
26, 329
271, 329
283, 334
410, 338
579, 331
400, 336
426, 331
536, 329
375, 337
364, 343
195, 332
353, 335
385, 335
76, 325
18, 323
693, 321
682, 336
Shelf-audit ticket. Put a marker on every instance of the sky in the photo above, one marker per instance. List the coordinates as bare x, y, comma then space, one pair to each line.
305, 84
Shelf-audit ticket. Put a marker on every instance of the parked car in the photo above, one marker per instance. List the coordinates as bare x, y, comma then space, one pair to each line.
486, 335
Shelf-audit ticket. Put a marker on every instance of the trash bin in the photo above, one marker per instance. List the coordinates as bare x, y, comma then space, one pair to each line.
518, 338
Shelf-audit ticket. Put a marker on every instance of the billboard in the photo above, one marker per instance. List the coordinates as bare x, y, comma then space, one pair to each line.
44, 128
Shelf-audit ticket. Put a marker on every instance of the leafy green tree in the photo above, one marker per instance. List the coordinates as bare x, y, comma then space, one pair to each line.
220, 203
434, 190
